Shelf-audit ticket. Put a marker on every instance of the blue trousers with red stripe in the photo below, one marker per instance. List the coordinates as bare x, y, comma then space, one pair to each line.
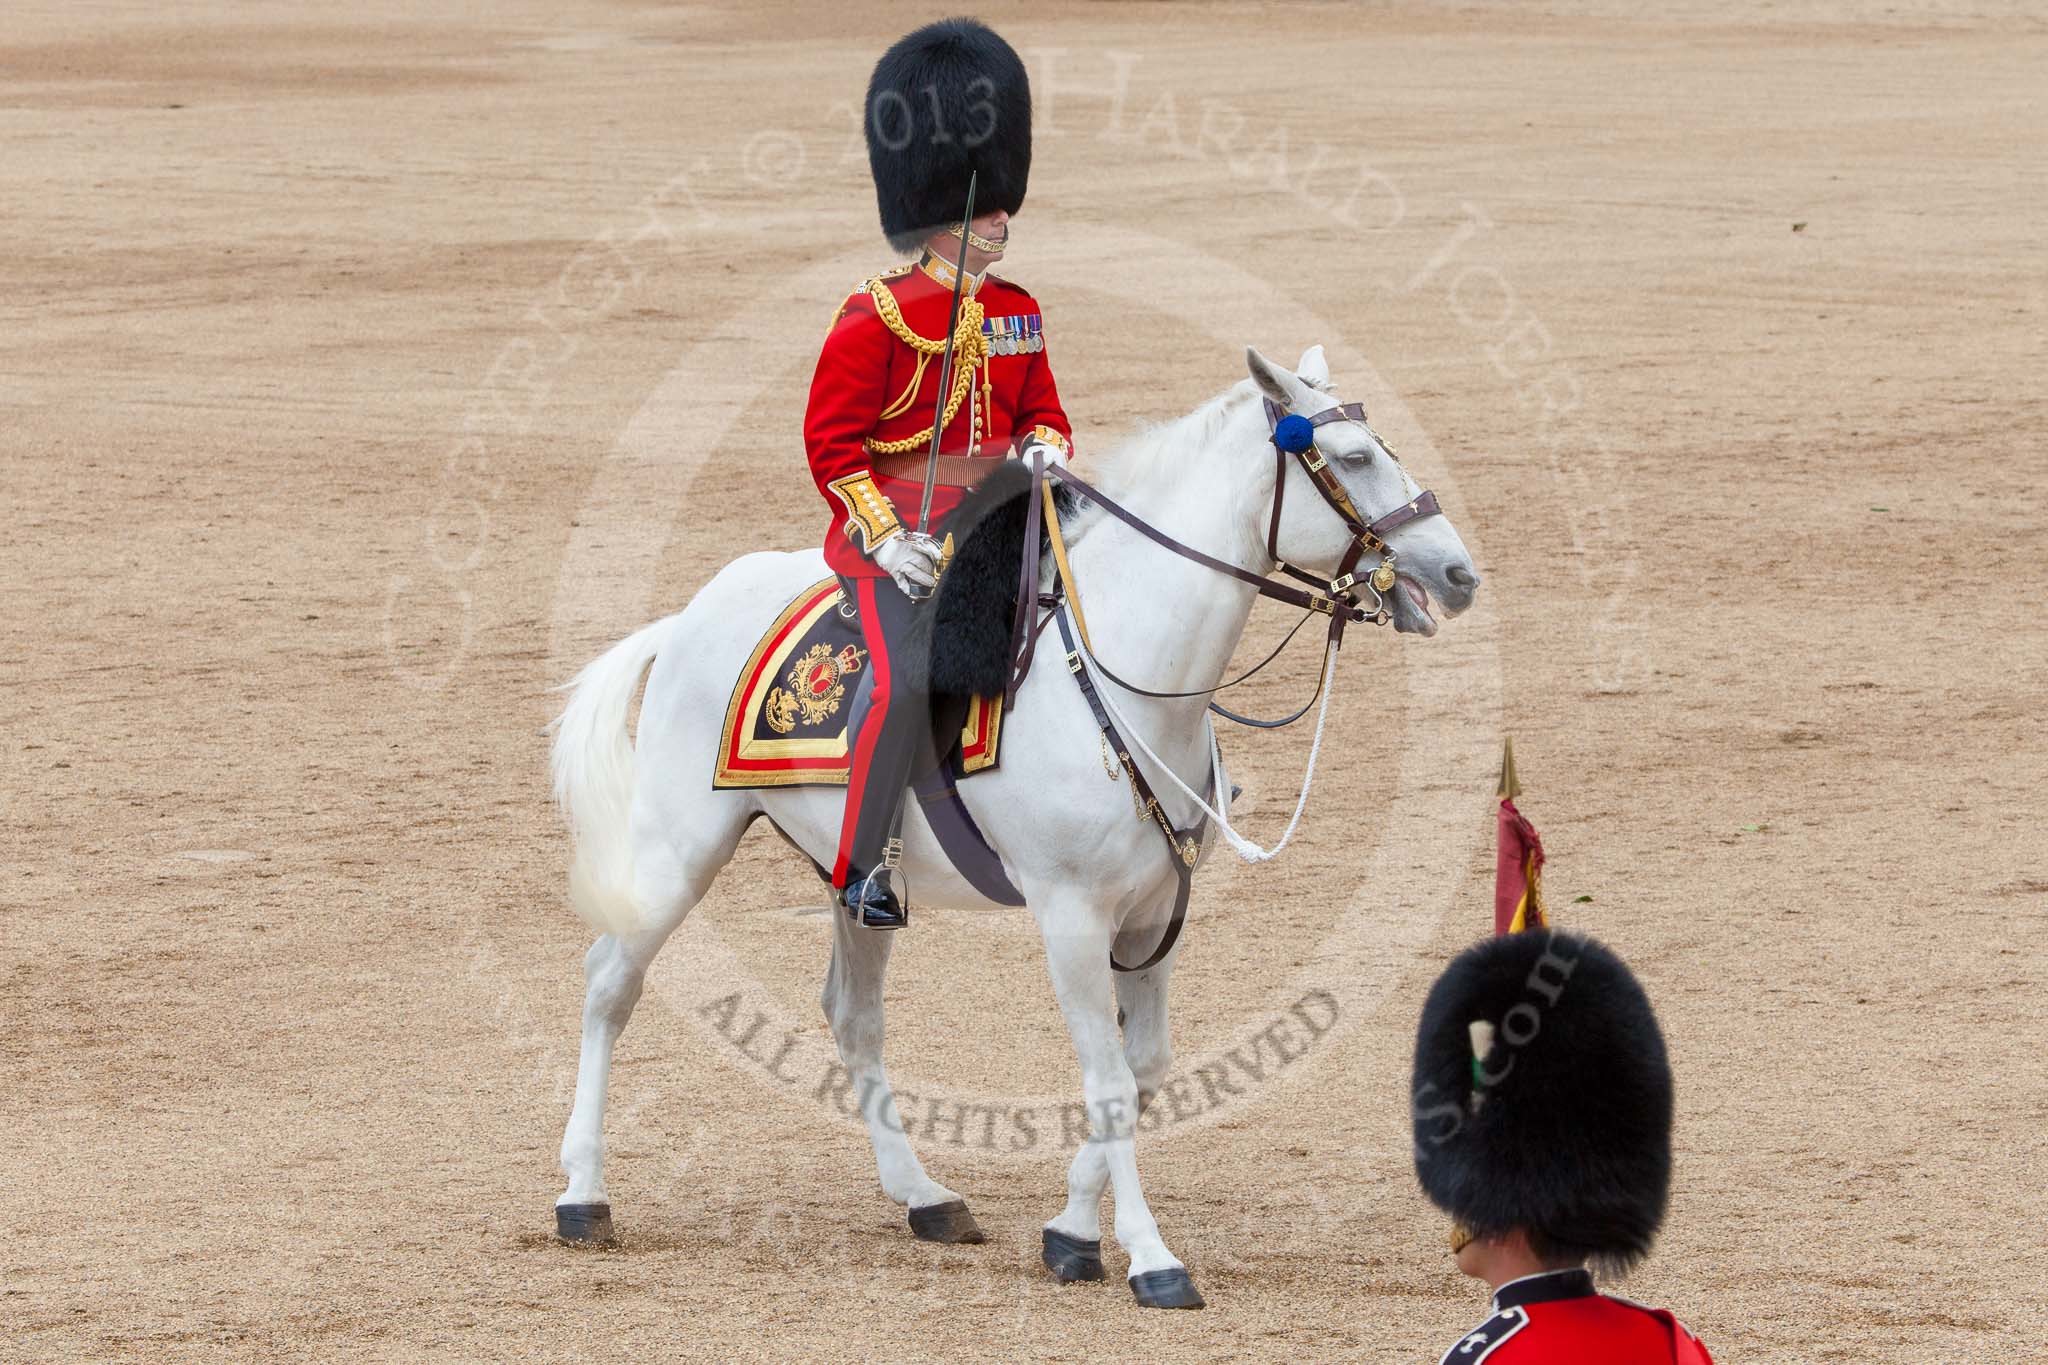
891, 731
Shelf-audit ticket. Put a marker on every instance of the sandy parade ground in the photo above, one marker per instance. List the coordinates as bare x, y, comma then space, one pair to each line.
365, 371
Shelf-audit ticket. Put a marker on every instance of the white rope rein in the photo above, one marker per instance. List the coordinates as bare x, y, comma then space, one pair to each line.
1243, 847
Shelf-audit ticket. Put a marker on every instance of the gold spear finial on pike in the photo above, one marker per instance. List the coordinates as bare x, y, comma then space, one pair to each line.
1510, 788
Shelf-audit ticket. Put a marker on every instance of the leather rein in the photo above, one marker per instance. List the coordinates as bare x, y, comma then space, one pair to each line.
1294, 437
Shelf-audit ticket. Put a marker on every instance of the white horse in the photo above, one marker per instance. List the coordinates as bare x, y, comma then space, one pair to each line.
1094, 877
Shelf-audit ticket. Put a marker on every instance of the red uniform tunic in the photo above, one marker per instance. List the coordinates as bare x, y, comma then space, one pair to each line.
875, 387
1558, 1319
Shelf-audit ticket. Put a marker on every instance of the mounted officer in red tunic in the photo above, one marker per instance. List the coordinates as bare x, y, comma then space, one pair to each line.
1542, 1113
948, 102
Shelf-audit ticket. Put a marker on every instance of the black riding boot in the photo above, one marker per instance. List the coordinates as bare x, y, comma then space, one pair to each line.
870, 901
870, 897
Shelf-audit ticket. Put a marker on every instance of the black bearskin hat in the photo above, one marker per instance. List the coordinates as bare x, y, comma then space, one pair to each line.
949, 99
1564, 1127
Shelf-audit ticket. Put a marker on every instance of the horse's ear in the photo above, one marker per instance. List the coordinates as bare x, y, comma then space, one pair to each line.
1314, 369
1277, 384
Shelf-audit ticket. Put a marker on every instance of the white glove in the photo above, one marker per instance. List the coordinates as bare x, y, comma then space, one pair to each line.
912, 559
1055, 458
1046, 441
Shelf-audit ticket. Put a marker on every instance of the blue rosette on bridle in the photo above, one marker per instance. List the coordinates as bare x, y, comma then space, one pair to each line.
1294, 433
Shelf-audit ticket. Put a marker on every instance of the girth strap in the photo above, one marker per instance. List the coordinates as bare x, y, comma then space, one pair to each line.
1184, 847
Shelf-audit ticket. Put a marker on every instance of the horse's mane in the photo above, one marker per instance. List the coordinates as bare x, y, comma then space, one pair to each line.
1156, 451
1160, 450
960, 645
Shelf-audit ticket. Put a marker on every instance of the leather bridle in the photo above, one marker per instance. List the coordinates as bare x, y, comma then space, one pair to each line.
1294, 436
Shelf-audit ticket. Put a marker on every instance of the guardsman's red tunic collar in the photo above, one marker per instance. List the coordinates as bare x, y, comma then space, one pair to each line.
942, 271
1546, 1286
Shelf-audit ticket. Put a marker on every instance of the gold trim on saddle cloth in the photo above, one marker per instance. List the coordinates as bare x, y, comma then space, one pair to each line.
797, 681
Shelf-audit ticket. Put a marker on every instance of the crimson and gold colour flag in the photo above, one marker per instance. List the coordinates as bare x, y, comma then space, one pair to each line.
1518, 860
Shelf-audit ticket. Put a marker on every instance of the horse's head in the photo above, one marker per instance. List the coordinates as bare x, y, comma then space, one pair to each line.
1429, 559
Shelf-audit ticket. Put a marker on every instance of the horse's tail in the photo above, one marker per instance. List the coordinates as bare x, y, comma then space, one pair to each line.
592, 763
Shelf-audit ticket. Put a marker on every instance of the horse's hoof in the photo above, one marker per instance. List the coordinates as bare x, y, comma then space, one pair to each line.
948, 1222
1072, 1259
585, 1225
1166, 1289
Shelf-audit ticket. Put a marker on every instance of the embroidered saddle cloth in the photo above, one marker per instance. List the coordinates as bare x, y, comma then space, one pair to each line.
786, 723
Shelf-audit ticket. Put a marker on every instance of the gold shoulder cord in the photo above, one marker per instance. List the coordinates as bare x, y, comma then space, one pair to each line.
970, 349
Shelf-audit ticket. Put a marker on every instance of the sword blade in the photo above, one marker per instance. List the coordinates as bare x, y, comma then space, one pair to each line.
931, 464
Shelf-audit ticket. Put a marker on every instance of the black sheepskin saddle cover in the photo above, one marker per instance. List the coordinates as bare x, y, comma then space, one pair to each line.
959, 644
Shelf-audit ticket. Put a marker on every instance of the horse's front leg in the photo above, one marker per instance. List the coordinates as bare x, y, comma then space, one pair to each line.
1077, 942
853, 1004
1073, 1240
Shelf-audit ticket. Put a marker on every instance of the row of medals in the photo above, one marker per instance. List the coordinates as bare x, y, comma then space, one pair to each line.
1014, 335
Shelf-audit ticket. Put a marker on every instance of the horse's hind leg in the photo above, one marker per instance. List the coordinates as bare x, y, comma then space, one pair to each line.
853, 1004
667, 882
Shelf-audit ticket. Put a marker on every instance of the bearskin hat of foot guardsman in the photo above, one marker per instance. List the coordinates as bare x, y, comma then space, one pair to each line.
945, 102
1543, 1097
